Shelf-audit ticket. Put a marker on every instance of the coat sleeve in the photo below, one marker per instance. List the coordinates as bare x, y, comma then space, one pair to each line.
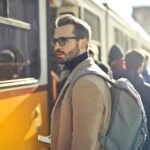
87, 109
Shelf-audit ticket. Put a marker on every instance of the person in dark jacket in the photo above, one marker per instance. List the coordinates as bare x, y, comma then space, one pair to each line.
116, 58
145, 71
134, 65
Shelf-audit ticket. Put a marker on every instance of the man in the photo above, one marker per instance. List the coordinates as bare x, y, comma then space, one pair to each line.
134, 65
78, 119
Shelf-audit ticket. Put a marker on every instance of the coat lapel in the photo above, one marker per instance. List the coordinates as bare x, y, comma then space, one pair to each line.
55, 117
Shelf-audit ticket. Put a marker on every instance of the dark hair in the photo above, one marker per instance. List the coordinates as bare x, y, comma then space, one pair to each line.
115, 53
82, 29
134, 59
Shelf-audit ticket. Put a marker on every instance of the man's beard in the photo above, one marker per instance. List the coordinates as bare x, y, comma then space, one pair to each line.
71, 55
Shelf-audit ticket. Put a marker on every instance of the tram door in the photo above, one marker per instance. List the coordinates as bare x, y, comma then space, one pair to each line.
23, 75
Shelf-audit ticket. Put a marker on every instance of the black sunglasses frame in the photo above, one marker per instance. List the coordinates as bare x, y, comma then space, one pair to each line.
62, 40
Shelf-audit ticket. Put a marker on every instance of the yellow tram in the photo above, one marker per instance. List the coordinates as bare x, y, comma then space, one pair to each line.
28, 72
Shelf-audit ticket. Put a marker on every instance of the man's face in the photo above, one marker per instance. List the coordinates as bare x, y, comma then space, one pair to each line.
67, 46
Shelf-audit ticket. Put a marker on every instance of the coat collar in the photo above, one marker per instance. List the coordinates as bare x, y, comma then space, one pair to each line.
87, 62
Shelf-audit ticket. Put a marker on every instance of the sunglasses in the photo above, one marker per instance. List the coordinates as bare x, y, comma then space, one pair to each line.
62, 40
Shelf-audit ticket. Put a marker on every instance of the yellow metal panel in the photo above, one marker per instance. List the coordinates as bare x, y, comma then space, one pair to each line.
23, 117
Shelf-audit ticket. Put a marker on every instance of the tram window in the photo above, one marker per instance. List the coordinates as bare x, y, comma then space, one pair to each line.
94, 22
22, 45
119, 37
18, 9
3, 6
19, 48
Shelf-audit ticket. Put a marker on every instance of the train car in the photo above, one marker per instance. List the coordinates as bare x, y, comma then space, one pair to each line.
28, 70
108, 28
24, 104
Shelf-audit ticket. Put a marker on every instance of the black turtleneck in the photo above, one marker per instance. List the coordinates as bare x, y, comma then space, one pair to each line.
74, 62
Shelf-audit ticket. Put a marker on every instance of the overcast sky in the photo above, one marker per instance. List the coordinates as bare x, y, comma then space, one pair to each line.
125, 6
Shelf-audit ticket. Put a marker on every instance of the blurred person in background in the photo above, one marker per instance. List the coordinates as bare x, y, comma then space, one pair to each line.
92, 51
116, 58
134, 61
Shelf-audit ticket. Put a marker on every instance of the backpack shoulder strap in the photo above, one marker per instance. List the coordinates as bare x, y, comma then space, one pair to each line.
95, 70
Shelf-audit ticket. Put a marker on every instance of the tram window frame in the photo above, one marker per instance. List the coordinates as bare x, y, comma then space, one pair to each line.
126, 43
21, 36
16, 9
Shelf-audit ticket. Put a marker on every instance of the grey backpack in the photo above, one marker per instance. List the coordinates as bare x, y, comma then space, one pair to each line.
127, 128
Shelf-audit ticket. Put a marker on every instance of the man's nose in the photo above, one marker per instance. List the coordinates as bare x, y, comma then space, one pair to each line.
57, 45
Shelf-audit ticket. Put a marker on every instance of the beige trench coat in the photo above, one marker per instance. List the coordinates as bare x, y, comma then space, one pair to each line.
77, 120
